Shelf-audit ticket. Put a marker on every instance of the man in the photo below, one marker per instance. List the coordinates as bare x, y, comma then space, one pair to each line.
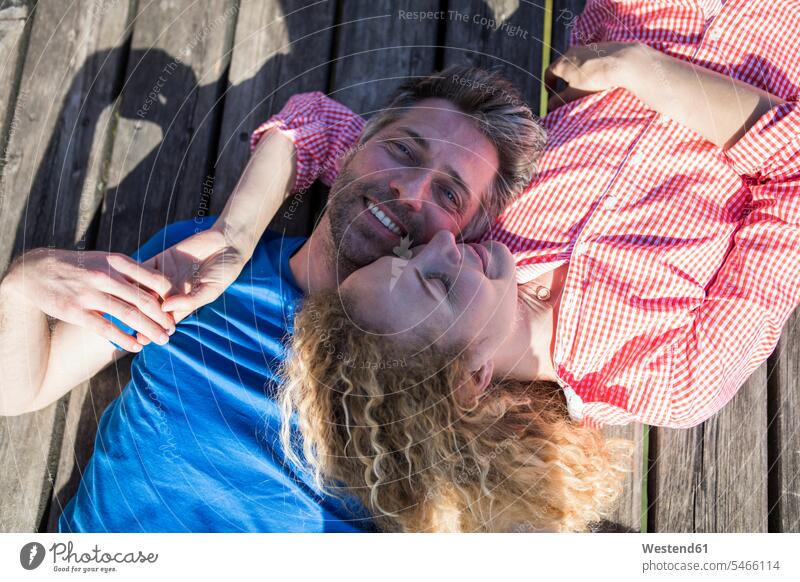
191, 443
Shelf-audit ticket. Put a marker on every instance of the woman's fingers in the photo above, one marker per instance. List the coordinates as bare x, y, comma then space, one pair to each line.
104, 328
132, 317
141, 274
142, 299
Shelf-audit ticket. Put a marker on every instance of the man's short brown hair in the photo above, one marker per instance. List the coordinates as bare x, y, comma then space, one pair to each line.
497, 108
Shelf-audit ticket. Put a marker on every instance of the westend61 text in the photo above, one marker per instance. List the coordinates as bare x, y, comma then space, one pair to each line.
669, 549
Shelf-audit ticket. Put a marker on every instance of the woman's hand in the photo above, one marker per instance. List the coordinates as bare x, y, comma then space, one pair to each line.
589, 69
199, 268
78, 287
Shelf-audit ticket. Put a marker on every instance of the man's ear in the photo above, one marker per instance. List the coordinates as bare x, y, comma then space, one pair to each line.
477, 383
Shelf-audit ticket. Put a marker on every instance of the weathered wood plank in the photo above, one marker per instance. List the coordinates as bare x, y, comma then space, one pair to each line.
498, 34
379, 48
14, 16
713, 478
784, 438
565, 12
50, 160
733, 492
627, 515
281, 48
160, 162
166, 137
674, 473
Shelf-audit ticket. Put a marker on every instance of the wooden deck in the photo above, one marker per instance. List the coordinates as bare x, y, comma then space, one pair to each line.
118, 117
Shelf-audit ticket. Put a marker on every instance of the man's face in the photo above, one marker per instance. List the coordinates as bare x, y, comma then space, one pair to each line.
428, 171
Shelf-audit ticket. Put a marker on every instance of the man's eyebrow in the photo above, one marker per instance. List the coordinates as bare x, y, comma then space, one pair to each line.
456, 176
421, 141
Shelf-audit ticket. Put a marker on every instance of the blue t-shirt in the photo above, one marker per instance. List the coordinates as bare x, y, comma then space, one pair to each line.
192, 442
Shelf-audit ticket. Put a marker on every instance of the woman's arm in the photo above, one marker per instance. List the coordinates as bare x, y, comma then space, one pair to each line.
302, 143
716, 106
264, 186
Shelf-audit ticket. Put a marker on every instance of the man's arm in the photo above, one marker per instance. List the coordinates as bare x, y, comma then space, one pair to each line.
718, 107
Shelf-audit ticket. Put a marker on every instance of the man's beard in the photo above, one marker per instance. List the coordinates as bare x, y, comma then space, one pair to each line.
354, 244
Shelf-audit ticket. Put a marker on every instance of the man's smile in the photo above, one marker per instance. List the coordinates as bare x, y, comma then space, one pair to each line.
382, 217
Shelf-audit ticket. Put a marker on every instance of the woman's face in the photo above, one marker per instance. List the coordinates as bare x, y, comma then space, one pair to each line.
461, 296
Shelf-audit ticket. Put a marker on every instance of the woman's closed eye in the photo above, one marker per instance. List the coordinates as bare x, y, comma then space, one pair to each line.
444, 281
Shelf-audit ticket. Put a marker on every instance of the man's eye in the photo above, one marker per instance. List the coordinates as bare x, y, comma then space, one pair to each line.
451, 195
404, 149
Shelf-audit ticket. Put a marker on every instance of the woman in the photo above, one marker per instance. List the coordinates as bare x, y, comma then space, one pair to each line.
650, 296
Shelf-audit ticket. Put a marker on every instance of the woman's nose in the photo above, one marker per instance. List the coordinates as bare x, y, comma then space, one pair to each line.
443, 244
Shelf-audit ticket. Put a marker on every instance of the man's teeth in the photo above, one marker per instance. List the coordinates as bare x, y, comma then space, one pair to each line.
385, 220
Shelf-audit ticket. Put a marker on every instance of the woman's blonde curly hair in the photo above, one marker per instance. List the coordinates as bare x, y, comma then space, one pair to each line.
384, 425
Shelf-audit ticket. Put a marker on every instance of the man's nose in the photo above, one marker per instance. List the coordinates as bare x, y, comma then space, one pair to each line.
411, 189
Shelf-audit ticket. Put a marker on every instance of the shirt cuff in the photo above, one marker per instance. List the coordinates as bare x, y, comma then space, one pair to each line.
755, 153
304, 139
321, 130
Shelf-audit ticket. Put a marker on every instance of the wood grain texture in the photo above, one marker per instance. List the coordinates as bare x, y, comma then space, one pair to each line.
565, 12
784, 439
14, 16
158, 171
166, 136
280, 49
713, 478
505, 35
53, 165
378, 48
627, 515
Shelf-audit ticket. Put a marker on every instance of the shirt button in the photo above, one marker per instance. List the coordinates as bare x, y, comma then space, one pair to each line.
543, 293
714, 34
636, 158
610, 202
581, 249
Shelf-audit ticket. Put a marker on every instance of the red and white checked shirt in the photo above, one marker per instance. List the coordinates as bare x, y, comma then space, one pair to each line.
683, 259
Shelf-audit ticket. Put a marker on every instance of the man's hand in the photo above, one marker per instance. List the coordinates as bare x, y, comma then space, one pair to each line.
199, 269
589, 69
78, 287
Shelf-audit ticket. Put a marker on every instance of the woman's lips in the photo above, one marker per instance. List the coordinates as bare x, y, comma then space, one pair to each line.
483, 255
